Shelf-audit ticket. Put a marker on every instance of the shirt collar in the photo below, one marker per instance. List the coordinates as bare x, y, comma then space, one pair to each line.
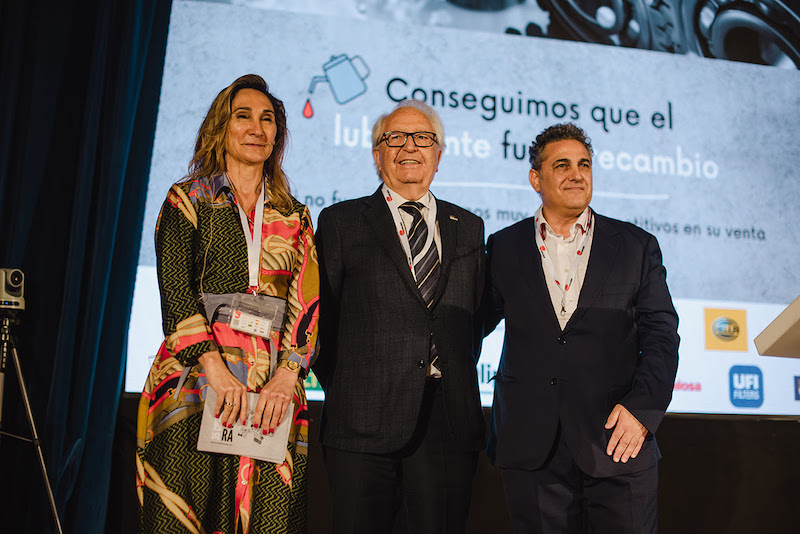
579, 227
220, 184
426, 199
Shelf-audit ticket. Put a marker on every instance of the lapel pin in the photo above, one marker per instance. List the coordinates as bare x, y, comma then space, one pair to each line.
453, 218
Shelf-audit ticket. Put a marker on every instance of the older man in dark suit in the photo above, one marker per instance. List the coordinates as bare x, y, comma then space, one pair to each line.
589, 358
402, 275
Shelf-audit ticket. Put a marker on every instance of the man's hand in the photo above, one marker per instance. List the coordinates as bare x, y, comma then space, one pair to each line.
628, 436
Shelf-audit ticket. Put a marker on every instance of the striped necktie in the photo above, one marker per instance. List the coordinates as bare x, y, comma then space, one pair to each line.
426, 268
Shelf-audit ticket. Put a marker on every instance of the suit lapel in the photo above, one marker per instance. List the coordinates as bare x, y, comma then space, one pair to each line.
379, 220
605, 245
448, 233
532, 272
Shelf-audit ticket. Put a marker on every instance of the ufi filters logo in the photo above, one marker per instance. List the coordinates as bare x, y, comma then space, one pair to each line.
726, 329
747, 386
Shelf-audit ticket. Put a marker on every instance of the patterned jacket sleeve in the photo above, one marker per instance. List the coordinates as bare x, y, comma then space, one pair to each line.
186, 330
302, 316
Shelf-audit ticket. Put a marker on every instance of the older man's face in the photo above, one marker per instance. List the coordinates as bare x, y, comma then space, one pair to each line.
407, 170
565, 178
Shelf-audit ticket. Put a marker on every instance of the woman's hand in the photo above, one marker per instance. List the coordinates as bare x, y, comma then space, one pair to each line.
274, 399
231, 394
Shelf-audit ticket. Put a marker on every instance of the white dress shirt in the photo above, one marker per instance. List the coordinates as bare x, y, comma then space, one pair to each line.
563, 251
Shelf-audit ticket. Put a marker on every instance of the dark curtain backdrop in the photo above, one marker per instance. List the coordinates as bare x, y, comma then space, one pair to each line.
79, 89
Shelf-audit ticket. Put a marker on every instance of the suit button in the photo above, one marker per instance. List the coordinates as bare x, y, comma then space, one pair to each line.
562, 340
421, 364
554, 382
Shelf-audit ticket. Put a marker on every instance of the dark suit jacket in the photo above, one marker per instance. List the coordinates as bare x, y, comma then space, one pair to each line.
619, 347
375, 330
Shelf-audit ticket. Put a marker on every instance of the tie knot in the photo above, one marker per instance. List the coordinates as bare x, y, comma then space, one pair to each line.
413, 208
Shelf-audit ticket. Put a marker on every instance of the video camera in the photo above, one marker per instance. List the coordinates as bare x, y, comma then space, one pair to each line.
12, 290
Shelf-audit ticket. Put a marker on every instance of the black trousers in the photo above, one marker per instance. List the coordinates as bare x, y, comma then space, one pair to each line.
560, 498
431, 473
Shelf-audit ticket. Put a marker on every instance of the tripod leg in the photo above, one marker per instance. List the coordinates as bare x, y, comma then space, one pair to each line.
2, 383
35, 437
5, 342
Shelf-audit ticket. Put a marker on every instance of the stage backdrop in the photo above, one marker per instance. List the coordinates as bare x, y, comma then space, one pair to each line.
700, 152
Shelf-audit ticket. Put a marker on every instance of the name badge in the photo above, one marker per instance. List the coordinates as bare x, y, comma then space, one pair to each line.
250, 324
250, 314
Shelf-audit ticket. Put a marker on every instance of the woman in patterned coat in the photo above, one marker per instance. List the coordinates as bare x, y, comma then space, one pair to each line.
236, 193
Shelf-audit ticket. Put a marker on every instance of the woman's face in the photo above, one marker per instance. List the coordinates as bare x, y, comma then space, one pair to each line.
252, 129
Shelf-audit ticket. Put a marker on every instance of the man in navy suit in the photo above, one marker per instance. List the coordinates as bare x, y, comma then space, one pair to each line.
589, 356
402, 276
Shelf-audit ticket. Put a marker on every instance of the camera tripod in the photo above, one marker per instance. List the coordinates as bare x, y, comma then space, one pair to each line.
7, 347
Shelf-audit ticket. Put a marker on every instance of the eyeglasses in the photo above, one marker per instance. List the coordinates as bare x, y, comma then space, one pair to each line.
398, 139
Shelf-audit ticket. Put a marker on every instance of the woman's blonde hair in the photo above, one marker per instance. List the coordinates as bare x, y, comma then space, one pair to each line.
209, 149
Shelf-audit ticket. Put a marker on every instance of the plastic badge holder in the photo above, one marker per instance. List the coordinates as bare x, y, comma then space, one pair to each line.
251, 314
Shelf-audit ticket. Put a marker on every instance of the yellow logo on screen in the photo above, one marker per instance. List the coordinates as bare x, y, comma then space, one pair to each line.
726, 329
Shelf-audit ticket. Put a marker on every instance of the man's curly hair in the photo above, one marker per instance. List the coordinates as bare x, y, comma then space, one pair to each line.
557, 132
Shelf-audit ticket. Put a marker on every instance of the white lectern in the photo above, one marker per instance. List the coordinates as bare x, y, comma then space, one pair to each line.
782, 336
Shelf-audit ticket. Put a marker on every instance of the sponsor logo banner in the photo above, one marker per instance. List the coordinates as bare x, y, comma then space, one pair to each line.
746, 386
726, 329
